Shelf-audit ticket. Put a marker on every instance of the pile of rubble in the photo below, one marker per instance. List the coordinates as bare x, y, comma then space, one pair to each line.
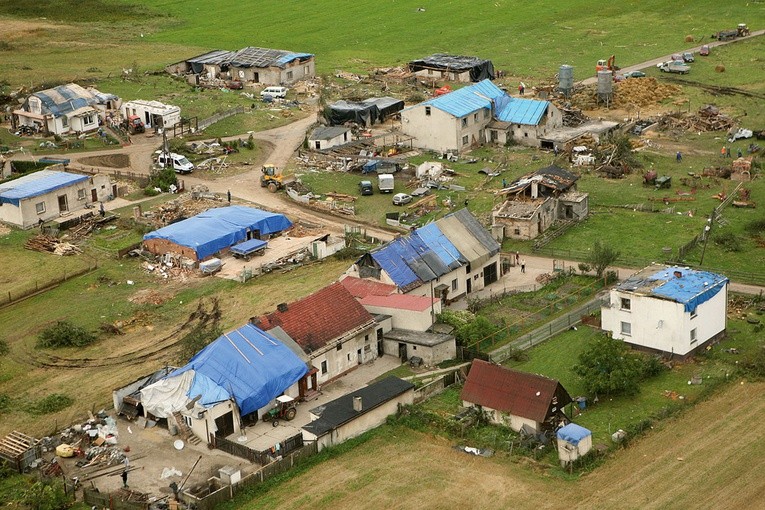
706, 119
45, 243
185, 206
643, 92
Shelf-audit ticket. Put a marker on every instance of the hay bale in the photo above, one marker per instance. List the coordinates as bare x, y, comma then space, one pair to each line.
719, 68
689, 38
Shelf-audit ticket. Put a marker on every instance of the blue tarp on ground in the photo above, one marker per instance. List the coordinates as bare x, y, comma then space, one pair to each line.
249, 246
38, 183
691, 289
573, 433
216, 229
248, 364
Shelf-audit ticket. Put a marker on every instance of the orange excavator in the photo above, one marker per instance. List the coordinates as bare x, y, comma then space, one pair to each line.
606, 65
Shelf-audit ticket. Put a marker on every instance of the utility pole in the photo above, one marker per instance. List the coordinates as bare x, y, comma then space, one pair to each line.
707, 230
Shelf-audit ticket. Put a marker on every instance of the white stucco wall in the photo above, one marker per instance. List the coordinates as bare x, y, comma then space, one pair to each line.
407, 319
347, 358
662, 324
441, 131
568, 452
201, 427
506, 419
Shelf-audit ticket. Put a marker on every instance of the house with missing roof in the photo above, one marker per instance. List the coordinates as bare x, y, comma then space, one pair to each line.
440, 66
477, 114
239, 374
333, 329
326, 137
357, 412
49, 194
407, 321
524, 402
251, 65
447, 259
64, 109
537, 200
671, 310
214, 231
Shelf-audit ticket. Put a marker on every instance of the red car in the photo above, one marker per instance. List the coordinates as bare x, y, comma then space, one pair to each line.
704, 51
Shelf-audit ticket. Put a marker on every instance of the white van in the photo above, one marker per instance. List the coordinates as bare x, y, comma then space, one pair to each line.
385, 183
179, 162
274, 92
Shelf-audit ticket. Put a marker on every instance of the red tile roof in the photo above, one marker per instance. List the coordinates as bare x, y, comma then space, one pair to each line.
518, 393
361, 288
316, 320
401, 302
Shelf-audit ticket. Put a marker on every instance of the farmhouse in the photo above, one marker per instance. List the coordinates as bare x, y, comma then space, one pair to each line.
250, 65
515, 399
327, 137
668, 309
477, 114
365, 113
535, 201
440, 66
331, 327
64, 109
447, 259
202, 236
239, 374
354, 413
153, 113
48, 194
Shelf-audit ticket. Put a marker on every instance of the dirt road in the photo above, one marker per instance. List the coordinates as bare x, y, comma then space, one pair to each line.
650, 63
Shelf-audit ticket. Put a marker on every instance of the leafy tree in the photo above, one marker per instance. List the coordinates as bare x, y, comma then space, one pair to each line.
65, 334
46, 496
476, 330
608, 367
601, 257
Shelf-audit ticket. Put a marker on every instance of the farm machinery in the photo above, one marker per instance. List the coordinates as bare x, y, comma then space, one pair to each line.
271, 178
607, 65
285, 409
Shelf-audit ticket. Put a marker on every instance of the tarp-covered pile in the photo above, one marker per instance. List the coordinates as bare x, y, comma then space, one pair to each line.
366, 112
217, 229
480, 69
246, 364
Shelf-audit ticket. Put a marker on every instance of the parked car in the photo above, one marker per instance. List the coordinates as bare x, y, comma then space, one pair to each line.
688, 57
677, 57
704, 51
401, 199
366, 188
274, 92
634, 74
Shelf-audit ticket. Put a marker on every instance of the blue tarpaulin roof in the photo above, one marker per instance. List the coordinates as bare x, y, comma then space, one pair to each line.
38, 183
520, 111
216, 229
432, 236
468, 99
691, 288
573, 433
247, 364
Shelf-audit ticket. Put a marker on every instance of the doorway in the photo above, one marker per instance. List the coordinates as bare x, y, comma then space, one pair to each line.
359, 356
93, 195
63, 203
402, 352
490, 274
469, 285
225, 424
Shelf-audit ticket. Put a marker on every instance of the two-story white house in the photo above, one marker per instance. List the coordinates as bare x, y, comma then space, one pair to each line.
668, 309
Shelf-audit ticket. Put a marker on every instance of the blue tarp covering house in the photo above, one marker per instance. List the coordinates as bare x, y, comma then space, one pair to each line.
520, 111
246, 364
38, 183
680, 284
468, 99
573, 433
216, 229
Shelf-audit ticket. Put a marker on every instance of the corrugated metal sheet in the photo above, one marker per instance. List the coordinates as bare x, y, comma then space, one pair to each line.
520, 111
469, 237
36, 184
63, 99
215, 57
264, 57
511, 391
468, 99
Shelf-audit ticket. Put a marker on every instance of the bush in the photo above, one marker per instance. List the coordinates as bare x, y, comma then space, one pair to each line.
5, 402
65, 334
754, 364
728, 241
151, 191
53, 403
608, 367
162, 179
584, 268
4, 349
755, 227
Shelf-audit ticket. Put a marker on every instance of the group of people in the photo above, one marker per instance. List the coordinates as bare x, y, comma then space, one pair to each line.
725, 152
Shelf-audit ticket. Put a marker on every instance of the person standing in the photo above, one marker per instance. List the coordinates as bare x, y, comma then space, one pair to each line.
679, 156
124, 478
521, 88
523, 265
101, 209
727, 152
228, 195
739, 153
722, 152
517, 258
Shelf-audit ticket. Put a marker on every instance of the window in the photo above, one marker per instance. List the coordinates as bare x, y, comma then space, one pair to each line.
430, 71
486, 114
464, 140
454, 284
366, 338
80, 194
517, 231
427, 111
464, 122
324, 367
693, 336
349, 356
626, 303
414, 347
187, 420
475, 117
694, 314
65, 121
467, 269
340, 347
307, 70
40, 207
379, 334
626, 329
88, 120
289, 75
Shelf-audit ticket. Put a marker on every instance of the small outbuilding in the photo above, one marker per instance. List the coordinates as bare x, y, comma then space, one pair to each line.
326, 137
215, 230
516, 399
357, 412
574, 441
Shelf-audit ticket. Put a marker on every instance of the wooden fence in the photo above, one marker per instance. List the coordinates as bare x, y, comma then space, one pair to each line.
433, 388
205, 123
260, 457
111, 501
15, 296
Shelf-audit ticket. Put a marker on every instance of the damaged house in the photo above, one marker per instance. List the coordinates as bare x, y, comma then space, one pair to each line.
535, 201
373, 110
66, 109
250, 65
440, 67
477, 114
446, 259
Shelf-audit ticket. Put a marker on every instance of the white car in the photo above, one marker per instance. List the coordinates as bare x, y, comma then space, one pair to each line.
178, 162
274, 92
401, 199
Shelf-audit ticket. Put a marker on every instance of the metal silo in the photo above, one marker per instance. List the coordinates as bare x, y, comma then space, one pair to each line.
566, 79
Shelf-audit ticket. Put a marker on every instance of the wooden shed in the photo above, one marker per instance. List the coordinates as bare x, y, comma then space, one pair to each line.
20, 450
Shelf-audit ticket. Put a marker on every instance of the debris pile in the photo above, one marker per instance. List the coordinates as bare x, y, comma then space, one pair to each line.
182, 207
706, 119
642, 92
50, 244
